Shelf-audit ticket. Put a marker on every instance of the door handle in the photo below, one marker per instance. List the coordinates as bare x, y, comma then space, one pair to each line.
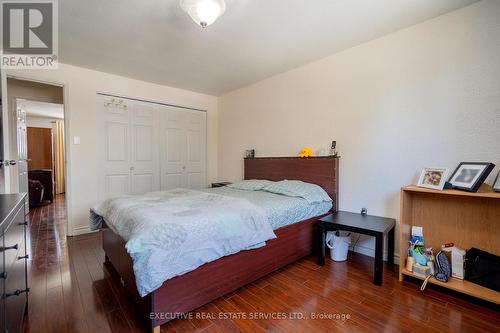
13, 247
17, 292
7, 163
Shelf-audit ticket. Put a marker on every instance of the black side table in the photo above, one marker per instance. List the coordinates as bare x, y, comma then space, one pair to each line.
220, 184
369, 225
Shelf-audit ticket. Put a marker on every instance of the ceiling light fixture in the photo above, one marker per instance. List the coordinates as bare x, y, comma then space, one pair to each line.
204, 12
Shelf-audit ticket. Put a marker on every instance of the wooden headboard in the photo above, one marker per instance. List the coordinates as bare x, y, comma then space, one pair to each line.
322, 171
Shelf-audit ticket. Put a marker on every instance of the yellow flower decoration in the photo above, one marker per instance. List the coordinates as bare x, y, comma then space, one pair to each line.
306, 152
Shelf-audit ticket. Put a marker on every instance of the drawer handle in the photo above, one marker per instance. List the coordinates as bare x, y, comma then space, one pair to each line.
3, 275
13, 247
17, 292
23, 257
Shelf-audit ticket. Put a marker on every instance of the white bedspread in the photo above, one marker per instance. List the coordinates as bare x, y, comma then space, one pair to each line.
173, 232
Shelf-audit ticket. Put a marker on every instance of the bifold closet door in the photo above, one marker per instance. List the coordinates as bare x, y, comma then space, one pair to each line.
145, 173
128, 147
183, 148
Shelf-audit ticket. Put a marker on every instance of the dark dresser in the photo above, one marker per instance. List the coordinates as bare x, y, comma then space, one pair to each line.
13, 261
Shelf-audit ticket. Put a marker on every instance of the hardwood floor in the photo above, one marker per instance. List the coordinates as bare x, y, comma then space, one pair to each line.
71, 291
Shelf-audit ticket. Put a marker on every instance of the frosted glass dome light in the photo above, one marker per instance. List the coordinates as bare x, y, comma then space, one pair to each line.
204, 12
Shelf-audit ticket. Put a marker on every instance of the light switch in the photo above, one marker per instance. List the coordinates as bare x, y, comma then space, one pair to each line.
76, 140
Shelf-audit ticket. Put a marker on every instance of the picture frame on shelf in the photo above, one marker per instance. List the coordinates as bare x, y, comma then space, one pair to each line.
496, 184
433, 178
469, 176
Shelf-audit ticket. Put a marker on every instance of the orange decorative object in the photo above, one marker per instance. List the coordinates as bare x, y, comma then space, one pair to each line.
306, 152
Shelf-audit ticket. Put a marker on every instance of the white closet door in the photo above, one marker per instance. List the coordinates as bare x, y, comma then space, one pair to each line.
183, 148
195, 149
145, 168
172, 148
128, 147
146, 147
115, 149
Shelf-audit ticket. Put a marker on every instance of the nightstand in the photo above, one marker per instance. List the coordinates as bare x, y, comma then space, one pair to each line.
374, 226
220, 184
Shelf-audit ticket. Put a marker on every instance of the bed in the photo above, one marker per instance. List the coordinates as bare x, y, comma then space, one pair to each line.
191, 290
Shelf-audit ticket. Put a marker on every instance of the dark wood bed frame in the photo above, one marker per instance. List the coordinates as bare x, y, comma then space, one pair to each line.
215, 279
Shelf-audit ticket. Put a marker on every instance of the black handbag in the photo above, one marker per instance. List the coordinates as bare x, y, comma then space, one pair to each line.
35, 189
482, 268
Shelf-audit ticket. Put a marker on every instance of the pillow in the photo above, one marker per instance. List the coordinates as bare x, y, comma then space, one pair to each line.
296, 188
250, 185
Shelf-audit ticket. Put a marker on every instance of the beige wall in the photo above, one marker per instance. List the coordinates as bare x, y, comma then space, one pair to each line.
428, 95
34, 91
81, 86
43, 122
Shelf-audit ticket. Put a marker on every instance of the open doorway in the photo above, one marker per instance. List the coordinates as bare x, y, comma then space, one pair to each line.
45, 150
37, 141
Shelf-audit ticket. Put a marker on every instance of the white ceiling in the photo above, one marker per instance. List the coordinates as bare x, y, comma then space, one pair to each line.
156, 41
41, 109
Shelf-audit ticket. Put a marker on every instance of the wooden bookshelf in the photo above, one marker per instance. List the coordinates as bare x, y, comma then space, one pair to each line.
462, 286
466, 219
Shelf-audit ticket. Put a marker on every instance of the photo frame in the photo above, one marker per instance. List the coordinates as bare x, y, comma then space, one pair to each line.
496, 184
433, 178
469, 176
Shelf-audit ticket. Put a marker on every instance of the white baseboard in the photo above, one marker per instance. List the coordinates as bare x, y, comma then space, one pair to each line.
371, 252
81, 231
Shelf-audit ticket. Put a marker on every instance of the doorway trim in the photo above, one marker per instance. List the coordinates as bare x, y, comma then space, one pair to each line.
67, 141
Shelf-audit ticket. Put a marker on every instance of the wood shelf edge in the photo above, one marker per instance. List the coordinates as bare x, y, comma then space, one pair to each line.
462, 286
486, 191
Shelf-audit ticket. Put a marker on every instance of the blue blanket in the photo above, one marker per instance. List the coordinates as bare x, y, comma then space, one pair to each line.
173, 232
281, 210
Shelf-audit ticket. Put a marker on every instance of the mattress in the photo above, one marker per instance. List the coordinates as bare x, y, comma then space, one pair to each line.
281, 210
170, 233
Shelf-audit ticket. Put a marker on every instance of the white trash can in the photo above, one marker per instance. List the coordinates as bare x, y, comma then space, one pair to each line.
338, 245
